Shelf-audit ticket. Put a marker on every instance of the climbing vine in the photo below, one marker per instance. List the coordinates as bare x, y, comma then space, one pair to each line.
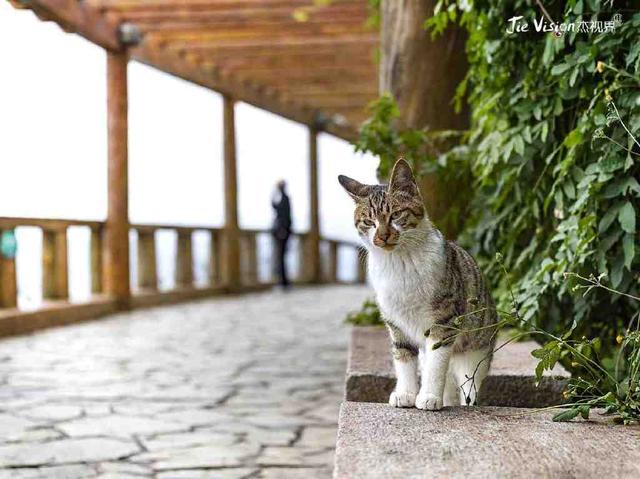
553, 154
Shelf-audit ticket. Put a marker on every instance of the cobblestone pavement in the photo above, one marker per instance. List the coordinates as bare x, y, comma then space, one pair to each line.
236, 387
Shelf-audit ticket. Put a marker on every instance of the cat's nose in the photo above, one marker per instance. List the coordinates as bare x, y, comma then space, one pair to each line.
381, 237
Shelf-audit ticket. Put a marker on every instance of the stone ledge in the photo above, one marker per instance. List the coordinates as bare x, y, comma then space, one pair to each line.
376, 440
511, 381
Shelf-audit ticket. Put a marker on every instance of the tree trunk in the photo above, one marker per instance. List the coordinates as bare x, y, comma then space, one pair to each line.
422, 75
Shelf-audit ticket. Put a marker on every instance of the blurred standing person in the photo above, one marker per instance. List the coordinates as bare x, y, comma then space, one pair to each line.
281, 229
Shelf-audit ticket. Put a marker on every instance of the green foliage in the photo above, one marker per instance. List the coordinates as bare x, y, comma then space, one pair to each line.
554, 159
368, 315
612, 386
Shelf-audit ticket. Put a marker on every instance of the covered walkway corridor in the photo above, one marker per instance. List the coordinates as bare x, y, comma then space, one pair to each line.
233, 387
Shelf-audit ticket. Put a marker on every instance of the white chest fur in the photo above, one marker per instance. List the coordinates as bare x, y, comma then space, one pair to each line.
405, 280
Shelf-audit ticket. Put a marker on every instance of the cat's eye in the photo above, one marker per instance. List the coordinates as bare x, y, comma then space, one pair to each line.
368, 223
396, 215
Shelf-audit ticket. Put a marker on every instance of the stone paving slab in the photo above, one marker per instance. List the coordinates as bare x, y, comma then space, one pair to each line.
511, 380
244, 387
376, 440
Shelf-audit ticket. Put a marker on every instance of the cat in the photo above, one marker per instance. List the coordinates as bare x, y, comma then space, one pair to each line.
433, 298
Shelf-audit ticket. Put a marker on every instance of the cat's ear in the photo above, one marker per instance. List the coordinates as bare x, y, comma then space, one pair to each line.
355, 189
402, 178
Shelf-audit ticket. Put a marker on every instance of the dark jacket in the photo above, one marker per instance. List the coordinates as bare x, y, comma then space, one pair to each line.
282, 223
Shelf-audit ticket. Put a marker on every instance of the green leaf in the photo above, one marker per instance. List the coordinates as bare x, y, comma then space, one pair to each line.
519, 145
629, 248
566, 415
559, 69
610, 164
627, 218
608, 218
584, 411
617, 271
572, 139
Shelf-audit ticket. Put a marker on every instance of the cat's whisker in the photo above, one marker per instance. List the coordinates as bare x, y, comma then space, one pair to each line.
423, 283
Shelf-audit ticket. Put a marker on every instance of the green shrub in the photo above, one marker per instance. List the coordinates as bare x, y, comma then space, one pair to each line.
553, 158
368, 315
552, 194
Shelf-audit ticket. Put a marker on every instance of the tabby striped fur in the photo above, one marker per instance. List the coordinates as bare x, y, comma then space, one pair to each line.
433, 298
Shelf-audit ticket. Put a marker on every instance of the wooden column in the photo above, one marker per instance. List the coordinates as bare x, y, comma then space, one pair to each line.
230, 248
8, 283
116, 254
184, 264
147, 269
55, 268
312, 260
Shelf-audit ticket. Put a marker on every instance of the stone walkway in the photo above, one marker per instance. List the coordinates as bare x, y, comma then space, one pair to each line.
236, 387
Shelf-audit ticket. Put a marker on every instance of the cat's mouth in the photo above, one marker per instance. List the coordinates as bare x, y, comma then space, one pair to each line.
385, 246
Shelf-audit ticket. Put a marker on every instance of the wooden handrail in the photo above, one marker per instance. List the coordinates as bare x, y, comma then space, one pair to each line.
47, 223
148, 227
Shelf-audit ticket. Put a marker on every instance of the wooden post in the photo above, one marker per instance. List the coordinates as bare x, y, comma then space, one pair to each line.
116, 254
55, 270
184, 260
230, 247
96, 261
361, 255
8, 283
147, 269
312, 260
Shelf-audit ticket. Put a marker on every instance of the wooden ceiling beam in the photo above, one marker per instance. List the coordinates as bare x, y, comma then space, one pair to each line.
244, 91
333, 85
208, 5
197, 25
74, 16
275, 44
277, 53
345, 92
301, 31
339, 103
337, 99
327, 61
371, 87
337, 13
341, 73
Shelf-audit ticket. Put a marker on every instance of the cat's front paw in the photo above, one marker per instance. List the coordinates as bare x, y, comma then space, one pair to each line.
428, 401
402, 399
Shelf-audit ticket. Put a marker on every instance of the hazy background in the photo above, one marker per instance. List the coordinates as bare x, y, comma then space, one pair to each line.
53, 152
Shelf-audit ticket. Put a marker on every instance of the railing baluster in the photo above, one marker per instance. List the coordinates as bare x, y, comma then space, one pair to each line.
305, 267
251, 258
215, 276
96, 260
333, 261
184, 266
361, 258
55, 279
147, 269
8, 283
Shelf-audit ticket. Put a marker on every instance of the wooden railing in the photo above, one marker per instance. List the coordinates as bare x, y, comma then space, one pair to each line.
146, 290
